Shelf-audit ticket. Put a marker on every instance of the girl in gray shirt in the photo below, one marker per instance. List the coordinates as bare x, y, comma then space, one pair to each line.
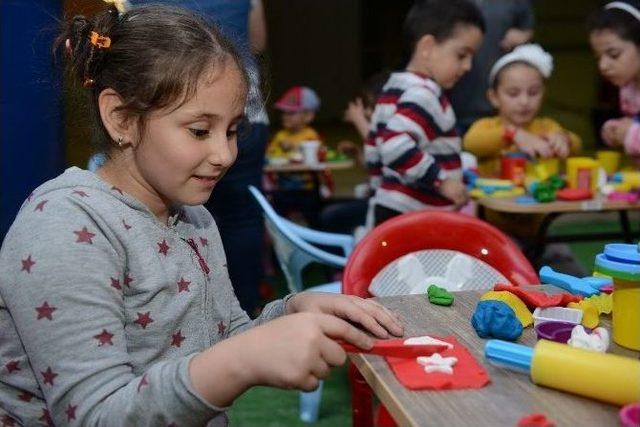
115, 301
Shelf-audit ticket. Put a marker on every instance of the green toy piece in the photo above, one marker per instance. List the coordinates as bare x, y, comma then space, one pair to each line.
556, 182
544, 192
439, 296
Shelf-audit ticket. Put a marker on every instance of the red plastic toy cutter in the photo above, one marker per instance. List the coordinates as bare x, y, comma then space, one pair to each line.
396, 348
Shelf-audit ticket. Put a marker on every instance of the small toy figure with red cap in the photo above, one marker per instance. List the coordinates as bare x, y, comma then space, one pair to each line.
298, 105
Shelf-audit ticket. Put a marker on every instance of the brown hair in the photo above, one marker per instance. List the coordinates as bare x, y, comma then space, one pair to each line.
156, 58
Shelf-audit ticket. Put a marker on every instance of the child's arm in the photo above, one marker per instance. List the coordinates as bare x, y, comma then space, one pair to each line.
294, 351
485, 138
68, 311
563, 141
632, 139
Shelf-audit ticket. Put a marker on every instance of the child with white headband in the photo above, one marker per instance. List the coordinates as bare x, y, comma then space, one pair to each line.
516, 90
615, 39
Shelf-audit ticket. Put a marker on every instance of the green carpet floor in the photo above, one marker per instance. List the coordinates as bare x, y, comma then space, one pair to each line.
266, 407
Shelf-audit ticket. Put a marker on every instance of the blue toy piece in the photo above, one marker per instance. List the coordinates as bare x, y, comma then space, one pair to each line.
587, 286
497, 320
526, 200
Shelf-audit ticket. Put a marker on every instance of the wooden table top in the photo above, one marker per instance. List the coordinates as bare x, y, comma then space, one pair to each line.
303, 167
509, 204
509, 396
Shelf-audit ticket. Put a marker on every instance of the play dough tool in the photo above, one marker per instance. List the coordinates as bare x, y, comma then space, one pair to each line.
396, 348
602, 376
585, 286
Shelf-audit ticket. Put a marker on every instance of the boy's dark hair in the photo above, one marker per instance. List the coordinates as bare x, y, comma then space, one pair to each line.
156, 58
439, 18
622, 23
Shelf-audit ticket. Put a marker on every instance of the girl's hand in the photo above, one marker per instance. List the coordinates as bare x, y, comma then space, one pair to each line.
455, 191
608, 133
371, 315
620, 129
292, 352
532, 145
560, 144
355, 112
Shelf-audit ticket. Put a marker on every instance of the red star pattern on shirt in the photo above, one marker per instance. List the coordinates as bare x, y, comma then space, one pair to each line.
84, 236
46, 417
221, 328
126, 226
127, 280
80, 193
12, 366
104, 337
7, 421
144, 319
115, 283
71, 412
143, 382
163, 247
177, 338
40, 206
27, 264
114, 188
49, 376
204, 241
25, 396
183, 285
45, 310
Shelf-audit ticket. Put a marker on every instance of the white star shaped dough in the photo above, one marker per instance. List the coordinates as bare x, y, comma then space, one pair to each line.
437, 363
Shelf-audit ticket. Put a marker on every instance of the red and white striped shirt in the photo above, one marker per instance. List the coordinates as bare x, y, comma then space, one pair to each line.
412, 144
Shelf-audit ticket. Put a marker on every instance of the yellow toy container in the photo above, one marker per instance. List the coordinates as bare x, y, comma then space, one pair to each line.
621, 262
582, 172
609, 160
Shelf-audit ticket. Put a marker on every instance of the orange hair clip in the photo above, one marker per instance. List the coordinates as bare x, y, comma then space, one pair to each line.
101, 42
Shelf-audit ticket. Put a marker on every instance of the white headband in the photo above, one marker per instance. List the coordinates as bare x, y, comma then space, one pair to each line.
531, 53
624, 6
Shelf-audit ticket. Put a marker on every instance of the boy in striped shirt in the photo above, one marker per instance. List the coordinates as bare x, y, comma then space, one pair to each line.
413, 149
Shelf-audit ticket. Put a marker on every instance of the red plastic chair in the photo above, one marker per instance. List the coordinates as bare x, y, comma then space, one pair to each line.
419, 231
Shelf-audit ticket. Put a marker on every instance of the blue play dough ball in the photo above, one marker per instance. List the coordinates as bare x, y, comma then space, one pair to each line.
496, 319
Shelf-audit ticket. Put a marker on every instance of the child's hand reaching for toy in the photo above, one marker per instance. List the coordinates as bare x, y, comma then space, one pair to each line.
613, 131
532, 145
455, 191
560, 144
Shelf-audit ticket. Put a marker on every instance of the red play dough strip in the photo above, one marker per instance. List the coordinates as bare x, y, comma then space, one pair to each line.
538, 299
467, 373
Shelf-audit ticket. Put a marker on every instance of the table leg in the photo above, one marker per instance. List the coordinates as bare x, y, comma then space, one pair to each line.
541, 238
626, 227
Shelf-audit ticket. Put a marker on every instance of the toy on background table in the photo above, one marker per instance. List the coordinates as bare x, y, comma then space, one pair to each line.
622, 263
495, 319
512, 167
583, 172
602, 376
574, 194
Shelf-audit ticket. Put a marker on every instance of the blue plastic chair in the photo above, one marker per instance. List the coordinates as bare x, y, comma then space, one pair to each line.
294, 248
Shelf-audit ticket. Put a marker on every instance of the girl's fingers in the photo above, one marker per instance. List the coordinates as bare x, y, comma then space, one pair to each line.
383, 315
332, 353
337, 328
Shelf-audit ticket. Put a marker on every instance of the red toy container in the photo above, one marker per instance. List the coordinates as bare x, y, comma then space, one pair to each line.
512, 168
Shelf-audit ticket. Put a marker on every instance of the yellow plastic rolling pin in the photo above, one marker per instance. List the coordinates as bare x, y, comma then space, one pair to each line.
606, 377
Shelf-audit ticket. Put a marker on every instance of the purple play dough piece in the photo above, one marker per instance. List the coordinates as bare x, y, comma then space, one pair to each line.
555, 331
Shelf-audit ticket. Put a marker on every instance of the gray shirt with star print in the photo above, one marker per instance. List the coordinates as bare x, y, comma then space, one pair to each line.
102, 307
